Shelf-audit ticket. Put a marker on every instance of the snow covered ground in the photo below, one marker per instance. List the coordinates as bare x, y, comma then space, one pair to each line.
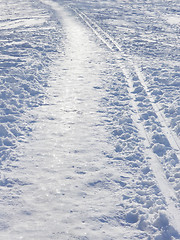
89, 119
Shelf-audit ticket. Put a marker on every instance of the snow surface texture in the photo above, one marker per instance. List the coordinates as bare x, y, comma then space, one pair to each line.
89, 124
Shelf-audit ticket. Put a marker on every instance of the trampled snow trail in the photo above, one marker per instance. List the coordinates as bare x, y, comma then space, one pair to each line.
89, 168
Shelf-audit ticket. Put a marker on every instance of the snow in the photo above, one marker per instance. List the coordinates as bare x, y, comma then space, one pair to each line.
173, 20
89, 120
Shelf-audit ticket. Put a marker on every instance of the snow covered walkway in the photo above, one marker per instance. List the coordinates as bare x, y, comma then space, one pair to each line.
87, 151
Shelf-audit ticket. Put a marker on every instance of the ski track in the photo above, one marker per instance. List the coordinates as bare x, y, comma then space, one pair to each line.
113, 45
78, 160
154, 161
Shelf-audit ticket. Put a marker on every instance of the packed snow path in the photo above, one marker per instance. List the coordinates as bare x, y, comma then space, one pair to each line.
86, 150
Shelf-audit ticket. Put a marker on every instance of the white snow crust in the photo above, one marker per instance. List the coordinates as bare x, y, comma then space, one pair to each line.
89, 120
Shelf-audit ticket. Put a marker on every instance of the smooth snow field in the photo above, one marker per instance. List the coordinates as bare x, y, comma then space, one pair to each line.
89, 119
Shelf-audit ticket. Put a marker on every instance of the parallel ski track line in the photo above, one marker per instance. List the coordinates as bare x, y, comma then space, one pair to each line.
170, 135
168, 192
114, 46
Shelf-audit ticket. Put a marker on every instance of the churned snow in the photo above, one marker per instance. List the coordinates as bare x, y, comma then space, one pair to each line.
89, 120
